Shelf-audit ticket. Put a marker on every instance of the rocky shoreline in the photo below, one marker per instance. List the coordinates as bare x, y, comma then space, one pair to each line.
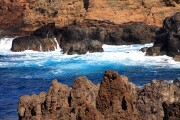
114, 98
82, 26
90, 35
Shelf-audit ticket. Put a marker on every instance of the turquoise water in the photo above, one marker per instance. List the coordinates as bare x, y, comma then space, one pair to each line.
31, 72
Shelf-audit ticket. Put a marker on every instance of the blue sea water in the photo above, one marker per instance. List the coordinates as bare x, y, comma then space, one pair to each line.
31, 72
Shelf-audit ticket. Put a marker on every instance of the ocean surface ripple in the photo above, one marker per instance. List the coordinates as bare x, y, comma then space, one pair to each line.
31, 72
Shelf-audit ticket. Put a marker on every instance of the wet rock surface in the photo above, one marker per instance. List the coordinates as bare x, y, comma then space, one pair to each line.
89, 36
168, 38
114, 98
42, 39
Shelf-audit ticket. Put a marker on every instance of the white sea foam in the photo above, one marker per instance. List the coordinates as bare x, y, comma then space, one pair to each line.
5, 44
57, 48
128, 55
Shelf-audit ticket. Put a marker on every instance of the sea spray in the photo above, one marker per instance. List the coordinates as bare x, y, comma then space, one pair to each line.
57, 48
30, 71
5, 44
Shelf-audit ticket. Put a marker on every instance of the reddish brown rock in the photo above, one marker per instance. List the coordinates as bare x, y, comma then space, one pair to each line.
116, 98
171, 111
27, 15
83, 100
150, 98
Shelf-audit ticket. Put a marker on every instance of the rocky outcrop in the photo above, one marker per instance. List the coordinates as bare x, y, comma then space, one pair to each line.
115, 98
171, 111
150, 99
168, 38
89, 36
42, 39
28, 15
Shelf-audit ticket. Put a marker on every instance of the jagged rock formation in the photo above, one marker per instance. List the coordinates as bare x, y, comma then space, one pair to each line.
168, 38
28, 15
115, 98
151, 98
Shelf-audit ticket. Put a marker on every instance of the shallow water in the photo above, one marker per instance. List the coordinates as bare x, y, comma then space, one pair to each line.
31, 72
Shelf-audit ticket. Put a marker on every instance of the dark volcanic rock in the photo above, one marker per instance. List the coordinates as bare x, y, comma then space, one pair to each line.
139, 33
110, 33
115, 98
168, 38
82, 47
88, 36
42, 39
171, 111
34, 43
78, 38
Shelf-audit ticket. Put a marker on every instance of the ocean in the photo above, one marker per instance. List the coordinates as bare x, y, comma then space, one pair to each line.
31, 72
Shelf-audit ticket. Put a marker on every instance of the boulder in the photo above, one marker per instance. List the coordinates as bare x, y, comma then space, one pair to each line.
167, 38
139, 33
42, 39
34, 43
144, 49
82, 47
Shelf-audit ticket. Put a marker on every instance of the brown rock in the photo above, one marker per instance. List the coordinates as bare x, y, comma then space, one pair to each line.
171, 111
83, 101
149, 99
28, 15
115, 98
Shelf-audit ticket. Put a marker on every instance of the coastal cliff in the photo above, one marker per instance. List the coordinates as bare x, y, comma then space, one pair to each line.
115, 98
27, 15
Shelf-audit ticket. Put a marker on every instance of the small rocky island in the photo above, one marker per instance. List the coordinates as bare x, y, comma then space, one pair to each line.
114, 99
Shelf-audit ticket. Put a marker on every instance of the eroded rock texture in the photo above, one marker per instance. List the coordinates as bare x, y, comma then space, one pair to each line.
168, 38
115, 99
150, 99
27, 15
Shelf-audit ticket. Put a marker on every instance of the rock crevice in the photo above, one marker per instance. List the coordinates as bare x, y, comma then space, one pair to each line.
114, 98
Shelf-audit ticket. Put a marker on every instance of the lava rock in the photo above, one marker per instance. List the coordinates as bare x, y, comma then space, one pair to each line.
171, 111
139, 33
82, 47
42, 39
86, 36
168, 38
114, 98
